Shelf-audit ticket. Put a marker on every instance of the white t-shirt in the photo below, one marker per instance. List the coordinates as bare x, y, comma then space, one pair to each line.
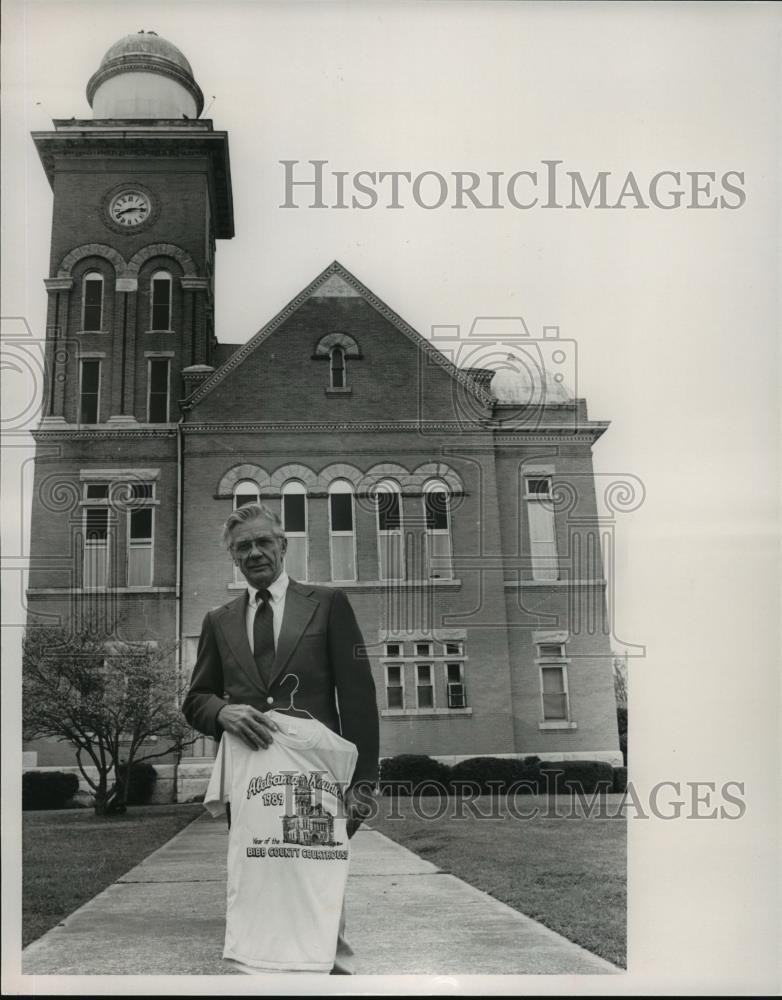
288, 850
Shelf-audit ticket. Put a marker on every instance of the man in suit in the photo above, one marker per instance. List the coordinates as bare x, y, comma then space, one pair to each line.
249, 645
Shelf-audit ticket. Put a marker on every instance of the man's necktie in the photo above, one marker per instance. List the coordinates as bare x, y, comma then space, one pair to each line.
263, 635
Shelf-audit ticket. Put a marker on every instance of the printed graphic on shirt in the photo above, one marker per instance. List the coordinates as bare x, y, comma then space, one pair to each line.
305, 823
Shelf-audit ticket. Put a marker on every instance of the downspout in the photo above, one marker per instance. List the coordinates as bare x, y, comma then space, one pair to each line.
180, 468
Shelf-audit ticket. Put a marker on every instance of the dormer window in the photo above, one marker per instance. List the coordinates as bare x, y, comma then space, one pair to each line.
337, 349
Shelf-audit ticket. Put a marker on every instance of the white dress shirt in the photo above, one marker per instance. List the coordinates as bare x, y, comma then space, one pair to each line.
277, 592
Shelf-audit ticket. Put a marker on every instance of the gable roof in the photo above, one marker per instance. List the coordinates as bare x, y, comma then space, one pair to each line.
335, 280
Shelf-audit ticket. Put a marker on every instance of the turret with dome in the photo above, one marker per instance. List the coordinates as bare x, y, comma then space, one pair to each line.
144, 76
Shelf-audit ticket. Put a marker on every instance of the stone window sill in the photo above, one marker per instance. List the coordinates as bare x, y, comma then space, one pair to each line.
423, 712
347, 391
557, 724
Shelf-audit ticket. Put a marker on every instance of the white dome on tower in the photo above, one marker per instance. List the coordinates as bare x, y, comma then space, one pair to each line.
144, 76
523, 380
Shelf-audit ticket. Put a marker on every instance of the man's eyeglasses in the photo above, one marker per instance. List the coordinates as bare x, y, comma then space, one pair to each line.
246, 546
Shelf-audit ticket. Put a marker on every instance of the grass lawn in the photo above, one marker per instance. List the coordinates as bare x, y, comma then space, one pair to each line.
568, 873
70, 855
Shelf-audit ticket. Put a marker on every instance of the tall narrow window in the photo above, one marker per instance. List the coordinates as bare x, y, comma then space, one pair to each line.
390, 537
157, 403
555, 700
96, 547
89, 391
161, 301
342, 532
294, 522
424, 685
438, 532
92, 301
542, 534
337, 364
140, 530
395, 690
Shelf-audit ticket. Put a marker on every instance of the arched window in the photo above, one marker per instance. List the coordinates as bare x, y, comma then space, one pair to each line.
160, 300
245, 491
337, 367
342, 531
390, 536
92, 301
438, 531
294, 523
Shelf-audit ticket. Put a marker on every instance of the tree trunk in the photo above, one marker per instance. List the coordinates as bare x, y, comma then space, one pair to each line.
101, 796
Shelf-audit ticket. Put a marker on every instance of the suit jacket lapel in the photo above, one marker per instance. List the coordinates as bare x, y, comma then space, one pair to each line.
233, 622
300, 606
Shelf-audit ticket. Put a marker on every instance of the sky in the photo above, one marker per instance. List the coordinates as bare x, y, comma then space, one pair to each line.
674, 314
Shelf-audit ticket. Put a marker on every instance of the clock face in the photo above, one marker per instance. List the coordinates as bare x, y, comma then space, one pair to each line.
129, 208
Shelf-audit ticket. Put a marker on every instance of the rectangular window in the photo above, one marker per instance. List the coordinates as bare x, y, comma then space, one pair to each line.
140, 547
455, 648
542, 535
343, 547
555, 704
538, 488
424, 685
551, 651
93, 304
438, 535
423, 649
96, 547
454, 679
393, 649
395, 691
158, 391
89, 390
96, 491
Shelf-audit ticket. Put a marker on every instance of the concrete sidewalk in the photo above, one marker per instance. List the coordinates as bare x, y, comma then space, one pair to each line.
166, 917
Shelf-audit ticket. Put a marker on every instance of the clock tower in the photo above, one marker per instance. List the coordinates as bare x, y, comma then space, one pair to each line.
141, 192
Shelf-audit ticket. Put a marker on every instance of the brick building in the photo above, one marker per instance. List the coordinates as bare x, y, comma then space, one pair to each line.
454, 502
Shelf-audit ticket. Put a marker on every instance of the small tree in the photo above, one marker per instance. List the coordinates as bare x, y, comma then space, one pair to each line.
106, 698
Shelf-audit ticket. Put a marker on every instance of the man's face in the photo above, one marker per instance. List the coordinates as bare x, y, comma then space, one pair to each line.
258, 551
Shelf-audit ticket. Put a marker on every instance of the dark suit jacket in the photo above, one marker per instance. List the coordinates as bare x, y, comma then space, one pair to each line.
319, 641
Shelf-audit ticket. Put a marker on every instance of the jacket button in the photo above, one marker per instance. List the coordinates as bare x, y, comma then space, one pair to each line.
270, 700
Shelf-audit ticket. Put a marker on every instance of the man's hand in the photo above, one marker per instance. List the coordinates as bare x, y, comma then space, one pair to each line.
359, 802
251, 726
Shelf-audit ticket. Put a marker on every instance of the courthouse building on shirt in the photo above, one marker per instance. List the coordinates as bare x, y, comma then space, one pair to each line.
452, 499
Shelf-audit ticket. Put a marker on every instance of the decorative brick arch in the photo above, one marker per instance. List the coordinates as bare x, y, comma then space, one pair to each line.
442, 472
387, 470
293, 471
339, 470
235, 475
91, 250
343, 340
140, 258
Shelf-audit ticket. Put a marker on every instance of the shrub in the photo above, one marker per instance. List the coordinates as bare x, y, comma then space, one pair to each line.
620, 779
587, 776
404, 774
141, 785
48, 789
494, 775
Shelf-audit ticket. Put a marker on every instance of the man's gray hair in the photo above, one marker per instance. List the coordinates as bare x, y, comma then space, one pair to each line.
247, 513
